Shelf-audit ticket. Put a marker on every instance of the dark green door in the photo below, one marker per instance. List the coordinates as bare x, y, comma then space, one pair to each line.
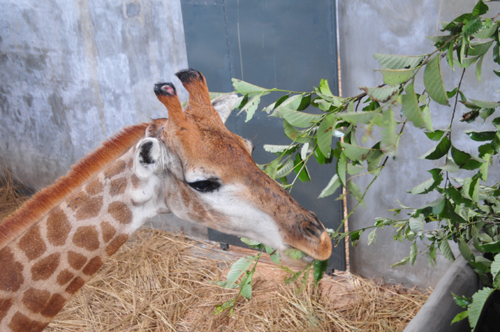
275, 43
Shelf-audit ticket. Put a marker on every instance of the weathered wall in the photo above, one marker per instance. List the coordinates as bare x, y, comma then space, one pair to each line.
72, 73
399, 27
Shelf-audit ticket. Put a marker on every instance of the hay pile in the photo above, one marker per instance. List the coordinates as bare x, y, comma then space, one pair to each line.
12, 193
161, 281
158, 281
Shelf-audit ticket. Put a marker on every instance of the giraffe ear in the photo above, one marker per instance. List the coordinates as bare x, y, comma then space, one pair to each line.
224, 104
150, 157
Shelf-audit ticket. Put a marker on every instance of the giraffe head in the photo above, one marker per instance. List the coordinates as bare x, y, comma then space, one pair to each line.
205, 174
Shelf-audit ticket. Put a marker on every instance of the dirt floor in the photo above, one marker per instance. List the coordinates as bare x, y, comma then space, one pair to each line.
161, 281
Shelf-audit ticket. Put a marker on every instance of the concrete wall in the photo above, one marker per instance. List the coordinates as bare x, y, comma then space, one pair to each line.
400, 27
72, 73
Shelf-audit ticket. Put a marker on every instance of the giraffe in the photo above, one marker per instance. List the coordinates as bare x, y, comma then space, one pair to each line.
189, 164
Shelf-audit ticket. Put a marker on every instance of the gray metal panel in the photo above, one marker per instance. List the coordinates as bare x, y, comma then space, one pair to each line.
285, 44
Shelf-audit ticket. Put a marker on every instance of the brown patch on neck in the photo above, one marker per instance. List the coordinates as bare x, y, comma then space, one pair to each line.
115, 169
108, 231
86, 237
50, 197
58, 227
118, 186
46, 267
35, 299
75, 285
116, 244
5, 305
95, 187
21, 323
92, 266
32, 243
11, 273
120, 211
55, 304
76, 260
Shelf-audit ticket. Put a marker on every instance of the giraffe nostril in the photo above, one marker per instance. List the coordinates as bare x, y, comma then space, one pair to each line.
311, 229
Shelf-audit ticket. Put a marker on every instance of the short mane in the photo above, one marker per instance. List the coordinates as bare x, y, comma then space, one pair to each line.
45, 200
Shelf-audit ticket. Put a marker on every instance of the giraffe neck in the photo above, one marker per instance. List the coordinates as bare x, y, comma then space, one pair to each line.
45, 265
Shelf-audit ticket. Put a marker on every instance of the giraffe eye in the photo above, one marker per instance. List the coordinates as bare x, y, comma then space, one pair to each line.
205, 186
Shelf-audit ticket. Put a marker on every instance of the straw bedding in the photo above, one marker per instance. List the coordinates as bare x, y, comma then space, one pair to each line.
161, 281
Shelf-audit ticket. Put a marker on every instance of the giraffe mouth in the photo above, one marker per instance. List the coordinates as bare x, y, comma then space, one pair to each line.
294, 257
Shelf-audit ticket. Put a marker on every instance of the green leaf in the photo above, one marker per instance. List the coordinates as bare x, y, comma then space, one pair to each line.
341, 168
495, 266
354, 169
427, 118
413, 253
319, 269
481, 136
450, 166
486, 31
462, 301
449, 56
354, 237
485, 104
324, 88
466, 62
411, 108
354, 190
480, 8
427, 186
459, 157
277, 148
301, 119
374, 157
479, 67
435, 135
460, 316
244, 88
433, 81
390, 61
354, 152
416, 225
250, 242
401, 262
477, 49
359, 117
465, 250
246, 285
251, 107
476, 307
294, 134
372, 237
389, 136
472, 26
483, 169
445, 249
331, 187
493, 247
294, 253
273, 254
474, 189
238, 268
380, 94
396, 76
438, 151
300, 169
289, 104
325, 134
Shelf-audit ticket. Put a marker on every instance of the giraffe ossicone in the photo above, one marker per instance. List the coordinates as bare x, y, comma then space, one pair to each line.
188, 164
